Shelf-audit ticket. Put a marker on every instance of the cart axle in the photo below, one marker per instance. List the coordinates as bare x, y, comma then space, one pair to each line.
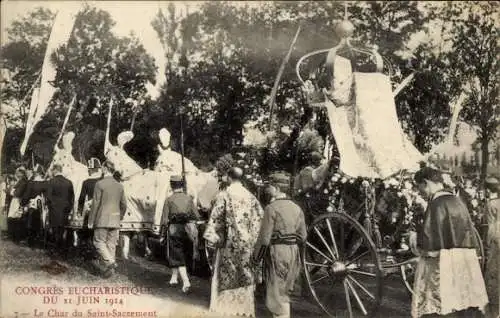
339, 268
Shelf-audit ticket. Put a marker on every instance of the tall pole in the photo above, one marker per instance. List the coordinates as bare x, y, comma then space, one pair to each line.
274, 91
182, 151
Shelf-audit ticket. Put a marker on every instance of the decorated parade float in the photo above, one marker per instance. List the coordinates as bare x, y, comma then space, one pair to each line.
357, 191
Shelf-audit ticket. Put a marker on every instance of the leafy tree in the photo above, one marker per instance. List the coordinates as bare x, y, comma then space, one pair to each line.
474, 56
95, 66
21, 60
232, 55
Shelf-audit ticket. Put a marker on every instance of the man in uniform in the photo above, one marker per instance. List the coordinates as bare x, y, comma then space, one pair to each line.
283, 230
178, 216
108, 208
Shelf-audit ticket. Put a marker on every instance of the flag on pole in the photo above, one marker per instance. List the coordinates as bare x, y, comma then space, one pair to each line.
60, 34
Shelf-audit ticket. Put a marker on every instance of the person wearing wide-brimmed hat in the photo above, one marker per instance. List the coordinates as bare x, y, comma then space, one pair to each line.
178, 214
493, 246
283, 230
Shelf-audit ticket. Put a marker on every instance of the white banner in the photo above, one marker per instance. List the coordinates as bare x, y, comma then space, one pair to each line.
60, 34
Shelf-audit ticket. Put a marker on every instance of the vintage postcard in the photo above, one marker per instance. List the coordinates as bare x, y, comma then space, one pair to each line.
249, 158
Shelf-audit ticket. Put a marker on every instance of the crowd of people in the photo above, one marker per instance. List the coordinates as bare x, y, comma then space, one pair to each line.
256, 244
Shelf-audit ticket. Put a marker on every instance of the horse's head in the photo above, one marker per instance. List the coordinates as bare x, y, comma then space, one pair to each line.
164, 135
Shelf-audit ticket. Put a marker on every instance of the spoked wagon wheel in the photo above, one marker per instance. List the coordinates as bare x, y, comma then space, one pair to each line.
408, 270
342, 266
478, 243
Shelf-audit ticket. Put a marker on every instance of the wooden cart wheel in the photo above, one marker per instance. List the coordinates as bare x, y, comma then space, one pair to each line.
408, 270
342, 267
408, 274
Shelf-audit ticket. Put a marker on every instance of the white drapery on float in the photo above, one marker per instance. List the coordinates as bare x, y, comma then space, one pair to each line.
364, 123
368, 134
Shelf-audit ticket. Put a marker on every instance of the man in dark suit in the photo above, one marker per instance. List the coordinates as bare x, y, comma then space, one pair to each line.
84, 203
60, 200
87, 192
108, 208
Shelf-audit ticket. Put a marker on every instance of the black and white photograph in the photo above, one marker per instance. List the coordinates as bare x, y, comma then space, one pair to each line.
249, 159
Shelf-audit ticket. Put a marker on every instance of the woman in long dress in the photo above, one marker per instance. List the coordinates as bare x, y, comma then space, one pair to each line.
233, 227
448, 279
493, 247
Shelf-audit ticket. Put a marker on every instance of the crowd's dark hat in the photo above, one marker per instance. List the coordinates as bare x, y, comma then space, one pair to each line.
94, 163
176, 178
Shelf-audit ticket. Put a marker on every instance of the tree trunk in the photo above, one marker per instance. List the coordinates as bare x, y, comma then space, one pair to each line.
485, 158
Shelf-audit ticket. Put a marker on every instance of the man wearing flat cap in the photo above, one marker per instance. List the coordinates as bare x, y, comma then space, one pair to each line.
283, 230
493, 246
178, 216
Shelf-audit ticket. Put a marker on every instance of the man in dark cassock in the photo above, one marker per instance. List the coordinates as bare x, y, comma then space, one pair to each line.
282, 231
448, 260
60, 200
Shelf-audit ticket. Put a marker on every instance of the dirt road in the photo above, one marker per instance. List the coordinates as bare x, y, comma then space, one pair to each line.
138, 288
